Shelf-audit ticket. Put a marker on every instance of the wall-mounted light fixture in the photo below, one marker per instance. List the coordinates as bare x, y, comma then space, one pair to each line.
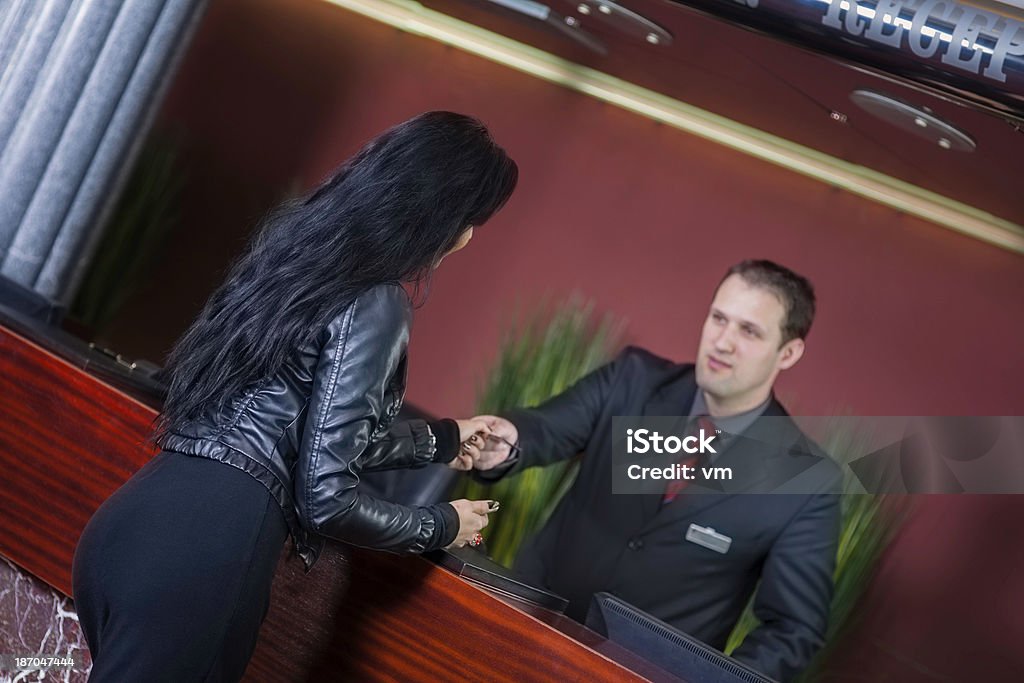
567, 25
919, 121
625, 21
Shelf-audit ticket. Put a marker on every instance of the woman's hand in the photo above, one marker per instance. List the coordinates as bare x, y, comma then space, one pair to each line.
472, 518
472, 437
471, 427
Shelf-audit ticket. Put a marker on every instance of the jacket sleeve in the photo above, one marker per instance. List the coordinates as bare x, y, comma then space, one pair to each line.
413, 443
406, 444
362, 351
792, 601
560, 427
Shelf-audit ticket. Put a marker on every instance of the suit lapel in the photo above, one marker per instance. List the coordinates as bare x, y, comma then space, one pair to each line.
674, 399
751, 457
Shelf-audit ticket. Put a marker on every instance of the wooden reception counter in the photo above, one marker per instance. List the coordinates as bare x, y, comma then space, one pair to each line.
72, 427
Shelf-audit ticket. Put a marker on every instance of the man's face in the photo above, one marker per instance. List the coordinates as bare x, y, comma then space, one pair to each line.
740, 354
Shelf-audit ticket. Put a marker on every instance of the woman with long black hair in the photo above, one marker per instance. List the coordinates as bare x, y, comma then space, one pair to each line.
280, 394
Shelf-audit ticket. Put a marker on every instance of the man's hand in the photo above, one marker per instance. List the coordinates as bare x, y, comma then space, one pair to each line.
497, 446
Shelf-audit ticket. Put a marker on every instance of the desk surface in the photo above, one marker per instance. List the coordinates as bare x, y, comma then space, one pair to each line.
69, 439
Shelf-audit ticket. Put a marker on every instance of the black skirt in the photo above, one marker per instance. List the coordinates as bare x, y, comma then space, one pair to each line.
172, 574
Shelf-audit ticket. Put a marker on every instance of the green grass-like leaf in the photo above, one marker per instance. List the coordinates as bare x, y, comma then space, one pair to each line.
537, 360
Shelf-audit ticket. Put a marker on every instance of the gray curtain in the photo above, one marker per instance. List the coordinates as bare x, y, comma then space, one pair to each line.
79, 84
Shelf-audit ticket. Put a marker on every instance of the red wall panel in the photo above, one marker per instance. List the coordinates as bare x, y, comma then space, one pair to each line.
913, 318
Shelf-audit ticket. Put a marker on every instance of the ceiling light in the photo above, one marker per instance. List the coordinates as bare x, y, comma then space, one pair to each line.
631, 23
920, 121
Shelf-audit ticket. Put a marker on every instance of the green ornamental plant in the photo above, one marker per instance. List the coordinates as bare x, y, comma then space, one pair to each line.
548, 354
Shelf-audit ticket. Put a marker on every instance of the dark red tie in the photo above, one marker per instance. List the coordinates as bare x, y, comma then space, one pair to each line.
675, 486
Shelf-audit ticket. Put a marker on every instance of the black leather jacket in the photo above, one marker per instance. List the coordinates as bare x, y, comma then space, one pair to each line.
308, 431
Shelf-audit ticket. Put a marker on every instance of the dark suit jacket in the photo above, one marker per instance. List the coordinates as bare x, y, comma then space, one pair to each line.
633, 547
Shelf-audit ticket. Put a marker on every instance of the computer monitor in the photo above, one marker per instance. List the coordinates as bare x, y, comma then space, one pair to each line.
664, 646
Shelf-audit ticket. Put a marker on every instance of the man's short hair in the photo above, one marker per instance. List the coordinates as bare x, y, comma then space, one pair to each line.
794, 291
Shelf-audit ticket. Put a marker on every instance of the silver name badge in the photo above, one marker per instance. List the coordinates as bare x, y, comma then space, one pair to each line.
709, 538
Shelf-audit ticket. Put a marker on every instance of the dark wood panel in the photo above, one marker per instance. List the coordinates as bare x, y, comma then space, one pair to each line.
375, 616
68, 440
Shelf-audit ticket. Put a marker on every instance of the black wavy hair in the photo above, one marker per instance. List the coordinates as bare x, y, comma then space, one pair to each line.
386, 215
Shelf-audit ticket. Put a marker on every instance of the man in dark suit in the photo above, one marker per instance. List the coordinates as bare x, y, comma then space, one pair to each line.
694, 560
